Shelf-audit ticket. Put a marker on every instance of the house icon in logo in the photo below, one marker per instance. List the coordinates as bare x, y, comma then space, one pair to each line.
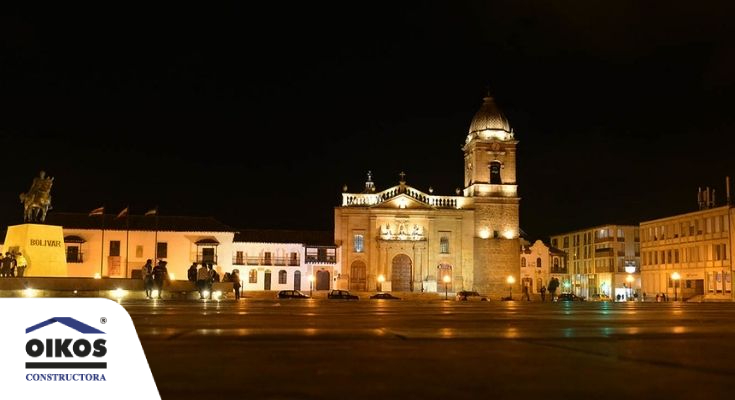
70, 322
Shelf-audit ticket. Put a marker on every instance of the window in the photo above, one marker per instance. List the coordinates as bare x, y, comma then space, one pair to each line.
495, 173
358, 243
139, 251
282, 276
294, 259
554, 243
267, 258
444, 245
114, 248
523, 262
161, 250
556, 263
566, 242
253, 276
538, 262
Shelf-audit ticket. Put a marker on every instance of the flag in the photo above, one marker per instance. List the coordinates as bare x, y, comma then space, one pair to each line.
97, 211
153, 211
123, 213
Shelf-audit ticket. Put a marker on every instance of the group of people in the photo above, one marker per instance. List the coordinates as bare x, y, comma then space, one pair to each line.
154, 277
12, 265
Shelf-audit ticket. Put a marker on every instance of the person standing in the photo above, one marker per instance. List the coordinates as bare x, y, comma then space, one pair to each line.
202, 279
8, 265
147, 276
526, 294
159, 275
3, 272
543, 293
22, 263
191, 274
236, 285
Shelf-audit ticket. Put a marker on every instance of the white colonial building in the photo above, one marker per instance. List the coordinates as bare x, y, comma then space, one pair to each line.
540, 263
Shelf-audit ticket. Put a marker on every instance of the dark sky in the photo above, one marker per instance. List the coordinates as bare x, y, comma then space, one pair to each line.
257, 115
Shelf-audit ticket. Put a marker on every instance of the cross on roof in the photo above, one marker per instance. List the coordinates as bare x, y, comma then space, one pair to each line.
403, 176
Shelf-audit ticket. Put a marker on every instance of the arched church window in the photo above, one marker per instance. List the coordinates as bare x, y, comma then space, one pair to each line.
495, 173
444, 245
358, 243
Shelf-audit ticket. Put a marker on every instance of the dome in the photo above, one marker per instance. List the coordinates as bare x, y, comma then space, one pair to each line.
490, 122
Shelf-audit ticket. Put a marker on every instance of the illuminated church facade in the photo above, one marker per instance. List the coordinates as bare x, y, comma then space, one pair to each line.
403, 239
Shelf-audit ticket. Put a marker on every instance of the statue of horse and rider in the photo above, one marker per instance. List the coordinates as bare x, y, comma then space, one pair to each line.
37, 201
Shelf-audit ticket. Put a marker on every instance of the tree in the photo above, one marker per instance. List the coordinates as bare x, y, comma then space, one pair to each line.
553, 284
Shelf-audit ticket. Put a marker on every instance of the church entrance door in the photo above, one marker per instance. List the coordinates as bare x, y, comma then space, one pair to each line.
267, 280
401, 274
358, 276
297, 280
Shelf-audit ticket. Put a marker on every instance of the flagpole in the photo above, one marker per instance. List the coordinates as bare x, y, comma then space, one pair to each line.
127, 238
102, 252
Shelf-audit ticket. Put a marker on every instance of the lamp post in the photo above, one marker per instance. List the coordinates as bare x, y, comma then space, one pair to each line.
446, 280
311, 284
511, 280
381, 279
630, 280
675, 276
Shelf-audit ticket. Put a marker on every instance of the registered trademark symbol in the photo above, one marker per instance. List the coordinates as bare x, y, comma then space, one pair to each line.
103, 320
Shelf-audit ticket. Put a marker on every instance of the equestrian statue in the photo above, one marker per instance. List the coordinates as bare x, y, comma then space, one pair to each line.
37, 201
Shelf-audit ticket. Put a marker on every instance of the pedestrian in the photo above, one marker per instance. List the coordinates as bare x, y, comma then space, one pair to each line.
160, 272
3, 273
8, 265
526, 293
22, 264
146, 273
644, 297
202, 280
236, 285
192, 272
543, 293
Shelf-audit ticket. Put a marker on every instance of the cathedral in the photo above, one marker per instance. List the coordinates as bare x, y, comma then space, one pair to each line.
403, 239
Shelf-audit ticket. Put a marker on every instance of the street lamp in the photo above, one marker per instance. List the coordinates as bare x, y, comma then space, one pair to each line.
446, 280
511, 280
311, 284
630, 280
675, 276
381, 279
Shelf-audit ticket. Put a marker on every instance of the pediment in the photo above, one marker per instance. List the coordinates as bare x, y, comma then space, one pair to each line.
402, 201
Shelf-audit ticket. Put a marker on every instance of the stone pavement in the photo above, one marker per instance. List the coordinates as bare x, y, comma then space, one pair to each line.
316, 349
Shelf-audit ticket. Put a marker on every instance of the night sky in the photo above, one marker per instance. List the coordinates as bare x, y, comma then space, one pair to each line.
258, 115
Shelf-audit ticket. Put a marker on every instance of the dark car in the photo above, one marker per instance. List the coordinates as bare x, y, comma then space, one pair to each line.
569, 297
384, 296
342, 294
292, 294
470, 295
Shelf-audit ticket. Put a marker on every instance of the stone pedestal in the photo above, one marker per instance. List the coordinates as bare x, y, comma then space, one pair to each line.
41, 245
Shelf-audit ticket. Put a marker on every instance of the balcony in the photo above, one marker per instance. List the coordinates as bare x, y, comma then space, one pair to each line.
76, 258
321, 259
206, 259
604, 252
278, 261
558, 270
604, 239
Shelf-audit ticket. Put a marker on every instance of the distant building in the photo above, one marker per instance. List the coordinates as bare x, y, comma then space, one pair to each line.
603, 259
697, 246
285, 259
412, 239
540, 263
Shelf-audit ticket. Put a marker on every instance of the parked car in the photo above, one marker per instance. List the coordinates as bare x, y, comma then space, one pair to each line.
470, 295
384, 296
342, 294
569, 297
600, 297
292, 294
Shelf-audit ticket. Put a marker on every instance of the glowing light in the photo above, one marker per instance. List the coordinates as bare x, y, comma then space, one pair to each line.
509, 234
205, 294
484, 233
311, 278
216, 295
511, 280
97, 275
119, 293
402, 203
154, 294
30, 292
381, 278
629, 279
447, 278
172, 276
675, 276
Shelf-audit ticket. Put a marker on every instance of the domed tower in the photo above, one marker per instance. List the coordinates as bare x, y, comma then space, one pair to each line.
490, 180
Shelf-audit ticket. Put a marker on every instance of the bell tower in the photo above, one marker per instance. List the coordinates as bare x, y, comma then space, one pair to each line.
490, 180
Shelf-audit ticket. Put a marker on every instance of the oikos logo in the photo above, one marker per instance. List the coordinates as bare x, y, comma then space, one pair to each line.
87, 352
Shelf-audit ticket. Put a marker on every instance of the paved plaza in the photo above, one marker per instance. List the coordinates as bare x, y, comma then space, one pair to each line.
431, 349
